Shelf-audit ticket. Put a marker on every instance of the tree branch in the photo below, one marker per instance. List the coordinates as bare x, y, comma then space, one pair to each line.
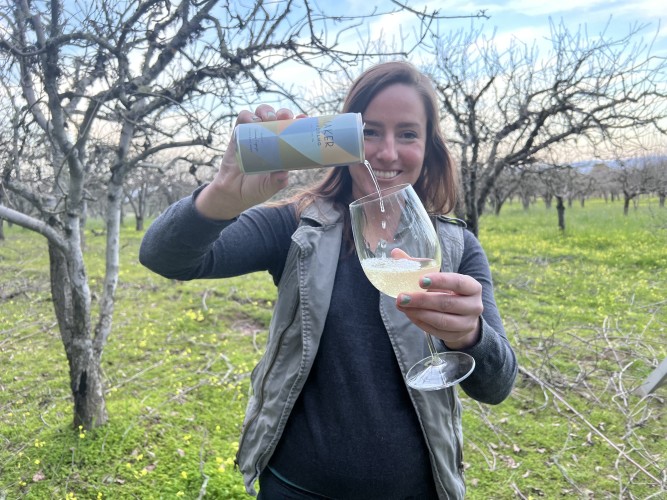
33, 224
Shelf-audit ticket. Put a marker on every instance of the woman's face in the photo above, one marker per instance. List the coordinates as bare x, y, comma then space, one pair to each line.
394, 140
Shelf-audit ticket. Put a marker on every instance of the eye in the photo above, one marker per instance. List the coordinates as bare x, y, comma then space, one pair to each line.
409, 135
369, 132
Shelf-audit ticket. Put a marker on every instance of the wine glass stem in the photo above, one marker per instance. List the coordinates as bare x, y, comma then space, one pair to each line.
435, 359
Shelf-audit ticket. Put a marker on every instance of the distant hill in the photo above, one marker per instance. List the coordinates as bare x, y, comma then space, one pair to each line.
586, 166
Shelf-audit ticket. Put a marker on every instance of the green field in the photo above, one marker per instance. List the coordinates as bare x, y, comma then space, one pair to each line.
586, 311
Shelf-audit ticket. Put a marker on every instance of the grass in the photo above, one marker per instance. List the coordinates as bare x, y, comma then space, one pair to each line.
585, 310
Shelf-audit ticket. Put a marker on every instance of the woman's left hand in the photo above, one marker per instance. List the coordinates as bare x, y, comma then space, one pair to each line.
449, 308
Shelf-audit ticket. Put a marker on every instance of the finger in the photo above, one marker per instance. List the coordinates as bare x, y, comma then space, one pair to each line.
284, 114
266, 112
455, 330
460, 284
246, 116
397, 253
441, 302
448, 327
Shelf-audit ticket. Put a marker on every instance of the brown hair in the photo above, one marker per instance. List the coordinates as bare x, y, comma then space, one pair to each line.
437, 183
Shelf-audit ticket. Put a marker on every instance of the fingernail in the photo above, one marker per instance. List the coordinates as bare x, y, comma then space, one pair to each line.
405, 299
426, 282
271, 115
256, 118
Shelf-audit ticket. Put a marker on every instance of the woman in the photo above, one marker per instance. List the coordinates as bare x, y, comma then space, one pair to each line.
330, 415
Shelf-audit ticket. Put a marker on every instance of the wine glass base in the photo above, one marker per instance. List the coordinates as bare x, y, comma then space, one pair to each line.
448, 369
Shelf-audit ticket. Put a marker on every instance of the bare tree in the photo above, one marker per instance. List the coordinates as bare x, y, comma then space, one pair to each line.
504, 107
657, 165
509, 183
634, 176
603, 179
152, 180
143, 77
561, 182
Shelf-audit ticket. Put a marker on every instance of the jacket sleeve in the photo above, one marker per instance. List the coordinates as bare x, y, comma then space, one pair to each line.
183, 244
178, 244
495, 362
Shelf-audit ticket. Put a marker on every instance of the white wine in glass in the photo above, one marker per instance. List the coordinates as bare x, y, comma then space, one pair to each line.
397, 245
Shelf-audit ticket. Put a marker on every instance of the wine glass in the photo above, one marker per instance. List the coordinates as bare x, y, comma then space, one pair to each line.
397, 244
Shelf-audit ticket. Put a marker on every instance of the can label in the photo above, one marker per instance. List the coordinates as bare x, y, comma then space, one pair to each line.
312, 142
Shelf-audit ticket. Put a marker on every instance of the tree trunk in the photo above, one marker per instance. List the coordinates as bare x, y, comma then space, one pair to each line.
87, 388
71, 301
82, 224
112, 269
560, 208
139, 224
2, 221
470, 193
472, 220
626, 204
525, 202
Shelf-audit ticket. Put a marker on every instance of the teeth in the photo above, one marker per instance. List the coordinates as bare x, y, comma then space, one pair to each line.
383, 174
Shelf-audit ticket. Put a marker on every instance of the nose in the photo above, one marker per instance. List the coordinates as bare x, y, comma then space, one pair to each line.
387, 149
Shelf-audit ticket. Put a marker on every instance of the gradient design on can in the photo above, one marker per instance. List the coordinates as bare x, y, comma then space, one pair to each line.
323, 141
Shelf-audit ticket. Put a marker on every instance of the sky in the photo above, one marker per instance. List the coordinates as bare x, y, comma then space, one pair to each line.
527, 21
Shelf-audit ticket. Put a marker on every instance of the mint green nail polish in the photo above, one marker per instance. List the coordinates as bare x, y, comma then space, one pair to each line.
405, 299
426, 282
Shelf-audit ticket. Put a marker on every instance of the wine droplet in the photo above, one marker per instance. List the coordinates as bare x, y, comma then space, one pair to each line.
382, 253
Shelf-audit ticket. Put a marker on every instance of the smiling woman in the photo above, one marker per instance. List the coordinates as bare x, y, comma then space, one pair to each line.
331, 414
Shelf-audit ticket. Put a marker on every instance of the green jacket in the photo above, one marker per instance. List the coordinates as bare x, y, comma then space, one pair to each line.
294, 336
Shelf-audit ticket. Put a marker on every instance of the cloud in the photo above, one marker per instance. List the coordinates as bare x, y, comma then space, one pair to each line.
555, 8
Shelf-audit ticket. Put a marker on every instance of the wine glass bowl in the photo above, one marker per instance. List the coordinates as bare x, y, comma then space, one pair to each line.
397, 244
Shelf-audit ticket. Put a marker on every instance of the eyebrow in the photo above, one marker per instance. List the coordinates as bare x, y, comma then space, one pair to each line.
400, 124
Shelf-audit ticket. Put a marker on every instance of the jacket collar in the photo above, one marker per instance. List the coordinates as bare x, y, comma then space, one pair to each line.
322, 212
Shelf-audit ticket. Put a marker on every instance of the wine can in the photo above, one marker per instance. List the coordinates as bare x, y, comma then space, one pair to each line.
312, 142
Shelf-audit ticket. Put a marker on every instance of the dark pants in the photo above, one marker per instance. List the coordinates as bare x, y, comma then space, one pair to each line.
274, 488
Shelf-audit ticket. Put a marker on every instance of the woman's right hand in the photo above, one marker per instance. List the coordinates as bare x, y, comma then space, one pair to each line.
231, 191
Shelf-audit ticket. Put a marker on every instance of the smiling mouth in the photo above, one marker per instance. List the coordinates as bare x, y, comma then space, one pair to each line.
385, 174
